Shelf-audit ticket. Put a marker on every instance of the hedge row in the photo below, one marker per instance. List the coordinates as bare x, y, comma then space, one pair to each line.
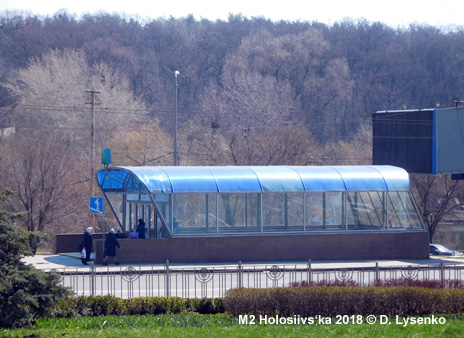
432, 284
93, 306
332, 301
327, 301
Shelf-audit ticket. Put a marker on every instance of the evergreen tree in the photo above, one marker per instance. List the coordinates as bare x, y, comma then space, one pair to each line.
26, 293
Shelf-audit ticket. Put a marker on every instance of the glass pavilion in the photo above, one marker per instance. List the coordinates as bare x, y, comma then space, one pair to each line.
257, 200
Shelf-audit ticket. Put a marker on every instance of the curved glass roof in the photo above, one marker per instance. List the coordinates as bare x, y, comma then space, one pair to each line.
244, 179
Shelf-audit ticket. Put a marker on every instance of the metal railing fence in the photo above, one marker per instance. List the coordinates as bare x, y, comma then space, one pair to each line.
214, 281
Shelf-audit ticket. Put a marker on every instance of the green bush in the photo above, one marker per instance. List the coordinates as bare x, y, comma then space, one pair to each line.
303, 301
205, 305
93, 306
332, 301
155, 305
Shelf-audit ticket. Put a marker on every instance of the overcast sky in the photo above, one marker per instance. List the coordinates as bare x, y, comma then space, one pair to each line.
396, 13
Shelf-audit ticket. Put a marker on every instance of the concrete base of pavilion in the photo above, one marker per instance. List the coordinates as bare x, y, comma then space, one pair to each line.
272, 248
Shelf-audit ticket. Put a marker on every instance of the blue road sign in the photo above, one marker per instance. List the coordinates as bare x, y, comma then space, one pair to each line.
96, 205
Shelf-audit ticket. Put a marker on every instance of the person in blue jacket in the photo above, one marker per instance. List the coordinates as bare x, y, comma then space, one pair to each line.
141, 228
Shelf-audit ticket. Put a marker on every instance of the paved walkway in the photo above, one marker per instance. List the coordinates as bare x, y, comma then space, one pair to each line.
72, 260
190, 280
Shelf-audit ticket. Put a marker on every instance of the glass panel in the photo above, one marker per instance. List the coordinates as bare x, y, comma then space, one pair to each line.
165, 209
232, 212
361, 178
252, 211
111, 180
132, 197
163, 201
283, 212
211, 212
191, 179
278, 179
162, 198
154, 179
191, 213
395, 178
314, 210
364, 210
377, 201
138, 197
128, 217
117, 205
134, 217
145, 198
273, 207
333, 211
402, 213
295, 211
148, 223
238, 212
320, 178
235, 179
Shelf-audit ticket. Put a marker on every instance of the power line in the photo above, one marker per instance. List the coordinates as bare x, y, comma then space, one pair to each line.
35, 140
115, 110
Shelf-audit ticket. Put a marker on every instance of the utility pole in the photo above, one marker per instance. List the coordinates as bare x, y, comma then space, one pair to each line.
176, 153
93, 101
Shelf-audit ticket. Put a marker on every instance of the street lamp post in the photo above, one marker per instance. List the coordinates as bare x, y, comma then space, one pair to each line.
176, 154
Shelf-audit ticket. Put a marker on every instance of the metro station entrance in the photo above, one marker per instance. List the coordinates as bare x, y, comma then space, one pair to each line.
265, 213
136, 208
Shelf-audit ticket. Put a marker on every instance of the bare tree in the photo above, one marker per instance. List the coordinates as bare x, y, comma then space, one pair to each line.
51, 95
53, 133
319, 80
44, 176
287, 145
142, 145
248, 100
254, 115
202, 144
436, 196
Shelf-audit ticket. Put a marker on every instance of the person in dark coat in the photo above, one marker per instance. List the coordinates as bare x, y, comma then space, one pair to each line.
141, 228
111, 243
87, 244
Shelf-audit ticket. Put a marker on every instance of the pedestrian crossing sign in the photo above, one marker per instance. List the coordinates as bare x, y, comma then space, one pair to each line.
96, 205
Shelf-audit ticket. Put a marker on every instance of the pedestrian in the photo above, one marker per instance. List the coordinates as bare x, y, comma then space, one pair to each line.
87, 245
141, 228
111, 243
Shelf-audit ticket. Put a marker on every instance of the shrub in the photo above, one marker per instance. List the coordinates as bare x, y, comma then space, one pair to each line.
92, 306
205, 305
331, 301
433, 284
155, 305
109, 305
26, 293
